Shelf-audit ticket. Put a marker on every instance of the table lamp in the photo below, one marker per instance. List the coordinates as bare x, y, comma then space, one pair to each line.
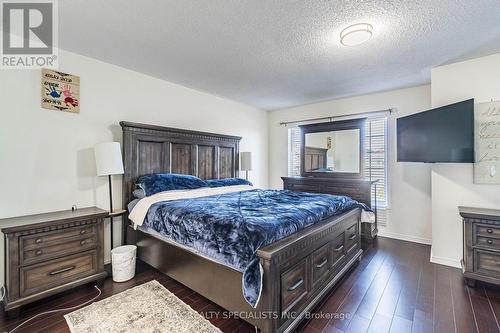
246, 162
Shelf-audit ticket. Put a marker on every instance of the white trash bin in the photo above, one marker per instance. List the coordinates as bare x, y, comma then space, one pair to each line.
123, 262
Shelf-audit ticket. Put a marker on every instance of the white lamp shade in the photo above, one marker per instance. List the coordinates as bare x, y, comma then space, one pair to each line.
108, 159
246, 161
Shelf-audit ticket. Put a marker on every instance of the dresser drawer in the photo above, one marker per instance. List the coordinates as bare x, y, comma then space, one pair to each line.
293, 286
486, 230
310, 188
62, 247
52, 238
321, 263
338, 250
353, 192
39, 277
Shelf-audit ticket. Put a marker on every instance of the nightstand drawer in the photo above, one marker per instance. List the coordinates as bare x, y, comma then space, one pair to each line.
39, 277
487, 242
486, 262
58, 248
51, 238
486, 230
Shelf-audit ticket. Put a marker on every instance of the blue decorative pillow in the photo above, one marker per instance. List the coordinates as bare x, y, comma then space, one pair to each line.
159, 182
227, 182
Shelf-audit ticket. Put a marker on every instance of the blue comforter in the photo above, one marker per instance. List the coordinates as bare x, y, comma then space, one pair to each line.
230, 228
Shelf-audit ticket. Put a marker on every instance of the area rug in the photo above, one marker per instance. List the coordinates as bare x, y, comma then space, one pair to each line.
149, 307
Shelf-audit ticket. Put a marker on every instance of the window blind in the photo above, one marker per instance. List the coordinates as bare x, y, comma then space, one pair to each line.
376, 158
294, 151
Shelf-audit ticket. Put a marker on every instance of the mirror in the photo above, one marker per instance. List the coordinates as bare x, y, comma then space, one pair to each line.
334, 151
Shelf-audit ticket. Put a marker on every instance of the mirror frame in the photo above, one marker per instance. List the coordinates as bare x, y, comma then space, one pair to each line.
349, 124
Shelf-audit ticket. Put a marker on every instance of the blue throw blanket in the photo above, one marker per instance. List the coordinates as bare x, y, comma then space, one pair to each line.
230, 228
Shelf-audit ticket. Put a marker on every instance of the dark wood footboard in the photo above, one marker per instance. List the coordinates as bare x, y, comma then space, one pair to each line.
298, 271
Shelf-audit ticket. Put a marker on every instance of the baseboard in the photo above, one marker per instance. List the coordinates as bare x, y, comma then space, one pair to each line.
407, 238
445, 261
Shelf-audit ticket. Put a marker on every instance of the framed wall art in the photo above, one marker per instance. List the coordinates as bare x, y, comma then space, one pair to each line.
487, 142
60, 91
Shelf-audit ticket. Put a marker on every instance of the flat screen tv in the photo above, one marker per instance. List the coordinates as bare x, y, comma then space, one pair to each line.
441, 135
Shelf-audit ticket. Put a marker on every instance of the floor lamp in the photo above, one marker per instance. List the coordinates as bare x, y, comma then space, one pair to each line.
108, 160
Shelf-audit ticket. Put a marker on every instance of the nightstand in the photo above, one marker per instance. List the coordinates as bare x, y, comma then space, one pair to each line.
49, 253
481, 245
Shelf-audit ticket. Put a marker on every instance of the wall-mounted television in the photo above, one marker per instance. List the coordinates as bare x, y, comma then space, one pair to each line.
441, 135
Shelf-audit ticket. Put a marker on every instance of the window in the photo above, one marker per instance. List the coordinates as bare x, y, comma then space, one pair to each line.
375, 157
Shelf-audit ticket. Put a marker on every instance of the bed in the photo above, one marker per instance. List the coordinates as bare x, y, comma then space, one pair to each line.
297, 270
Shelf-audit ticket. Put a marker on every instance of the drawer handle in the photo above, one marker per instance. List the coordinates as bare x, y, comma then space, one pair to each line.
83, 231
296, 285
62, 270
38, 252
38, 240
352, 236
490, 231
489, 241
323, 263
83, 242
338, 249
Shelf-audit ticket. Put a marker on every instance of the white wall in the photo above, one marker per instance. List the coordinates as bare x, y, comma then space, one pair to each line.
46, 157
452, 185
410, 188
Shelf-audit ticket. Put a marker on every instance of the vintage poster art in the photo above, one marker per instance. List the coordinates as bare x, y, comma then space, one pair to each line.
60, 91
487, 142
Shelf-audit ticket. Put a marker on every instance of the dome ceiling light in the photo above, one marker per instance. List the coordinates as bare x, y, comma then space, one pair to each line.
356, 34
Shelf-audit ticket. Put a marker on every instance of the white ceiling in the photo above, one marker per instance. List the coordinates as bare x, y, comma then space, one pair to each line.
275, 54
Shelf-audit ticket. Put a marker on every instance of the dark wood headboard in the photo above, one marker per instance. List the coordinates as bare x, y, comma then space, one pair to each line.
315, 158
156, 149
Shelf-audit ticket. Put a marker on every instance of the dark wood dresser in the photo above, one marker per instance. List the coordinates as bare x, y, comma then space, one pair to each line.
48, 253
481, 252
358, 189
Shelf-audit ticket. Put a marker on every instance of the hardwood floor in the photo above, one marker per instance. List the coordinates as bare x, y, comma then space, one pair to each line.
393, 289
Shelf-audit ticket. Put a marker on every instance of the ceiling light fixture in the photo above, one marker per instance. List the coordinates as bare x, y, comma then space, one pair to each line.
356, 34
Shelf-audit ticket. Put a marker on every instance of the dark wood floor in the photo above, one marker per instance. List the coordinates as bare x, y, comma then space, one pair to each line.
393, 289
